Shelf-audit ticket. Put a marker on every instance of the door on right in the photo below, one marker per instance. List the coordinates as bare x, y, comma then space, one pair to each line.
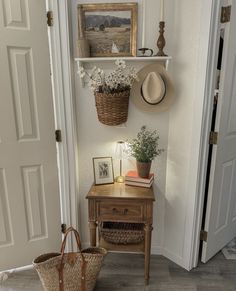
220, 219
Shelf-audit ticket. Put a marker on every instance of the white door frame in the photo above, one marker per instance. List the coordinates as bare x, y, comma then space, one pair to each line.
63, 79
65, 117
213, 15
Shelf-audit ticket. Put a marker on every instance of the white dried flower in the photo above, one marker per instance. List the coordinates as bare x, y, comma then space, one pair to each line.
120, 79
81, 72
120, 63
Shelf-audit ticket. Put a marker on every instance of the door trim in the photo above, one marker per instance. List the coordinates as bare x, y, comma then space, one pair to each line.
206, 126
65, 117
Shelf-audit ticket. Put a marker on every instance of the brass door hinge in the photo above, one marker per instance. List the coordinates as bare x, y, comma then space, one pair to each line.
58, 135
203, 235
63, 228
225, 14
50, 18
216, 97
213, 139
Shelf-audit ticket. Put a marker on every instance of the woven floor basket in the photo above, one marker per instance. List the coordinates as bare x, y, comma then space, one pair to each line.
48, 266
122, 233
112, 109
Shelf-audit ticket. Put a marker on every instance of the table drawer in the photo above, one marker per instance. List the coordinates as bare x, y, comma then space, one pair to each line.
107, 210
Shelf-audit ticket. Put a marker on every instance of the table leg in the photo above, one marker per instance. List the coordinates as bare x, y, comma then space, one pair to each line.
148, 233
92, 229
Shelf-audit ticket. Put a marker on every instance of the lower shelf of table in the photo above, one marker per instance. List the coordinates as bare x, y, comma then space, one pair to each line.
139, 248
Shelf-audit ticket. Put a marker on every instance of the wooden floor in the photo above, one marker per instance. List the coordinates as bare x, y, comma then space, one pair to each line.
124, 272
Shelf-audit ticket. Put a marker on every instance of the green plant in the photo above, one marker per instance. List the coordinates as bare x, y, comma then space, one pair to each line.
145, 146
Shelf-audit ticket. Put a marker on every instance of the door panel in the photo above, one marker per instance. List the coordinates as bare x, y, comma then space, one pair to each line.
29, 194
224, 196
220, 214
5, 223
34, 197
231, 124
15, 14
24, 97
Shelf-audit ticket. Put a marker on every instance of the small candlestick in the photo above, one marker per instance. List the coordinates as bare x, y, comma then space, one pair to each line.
161, 40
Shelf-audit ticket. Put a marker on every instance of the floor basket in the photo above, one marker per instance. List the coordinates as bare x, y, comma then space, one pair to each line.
74, 271
112, 108
122, 233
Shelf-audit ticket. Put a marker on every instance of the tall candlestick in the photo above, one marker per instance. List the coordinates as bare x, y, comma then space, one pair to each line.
161, 40
144, 20
162, 11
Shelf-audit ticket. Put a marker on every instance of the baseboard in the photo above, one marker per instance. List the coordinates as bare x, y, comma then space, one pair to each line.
172, 257
19, 269
157, 250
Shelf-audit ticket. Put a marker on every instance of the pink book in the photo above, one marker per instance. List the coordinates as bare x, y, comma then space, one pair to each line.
133, 176
139, 184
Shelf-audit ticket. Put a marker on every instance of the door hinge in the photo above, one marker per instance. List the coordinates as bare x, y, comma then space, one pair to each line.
225, 14
58, 135
63, 228
203, 235
50, 18
213, 137
216, 97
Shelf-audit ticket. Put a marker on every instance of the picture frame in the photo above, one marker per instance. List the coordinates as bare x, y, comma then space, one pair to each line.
103, 170
110, 29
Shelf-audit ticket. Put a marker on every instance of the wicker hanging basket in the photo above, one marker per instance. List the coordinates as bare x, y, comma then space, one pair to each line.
112, 108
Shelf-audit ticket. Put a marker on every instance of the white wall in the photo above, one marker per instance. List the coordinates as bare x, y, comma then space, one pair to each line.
172, 169
96, 139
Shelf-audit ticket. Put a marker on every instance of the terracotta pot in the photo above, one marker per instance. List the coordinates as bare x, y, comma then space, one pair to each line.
143, 169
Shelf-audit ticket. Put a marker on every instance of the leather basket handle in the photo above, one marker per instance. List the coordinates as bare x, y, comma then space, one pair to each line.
78, 241
83, 262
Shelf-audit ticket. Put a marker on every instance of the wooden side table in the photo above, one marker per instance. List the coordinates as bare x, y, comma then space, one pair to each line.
120, 203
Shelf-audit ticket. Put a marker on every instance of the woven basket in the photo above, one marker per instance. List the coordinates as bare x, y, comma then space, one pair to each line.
122, 233
112, 108
75, 271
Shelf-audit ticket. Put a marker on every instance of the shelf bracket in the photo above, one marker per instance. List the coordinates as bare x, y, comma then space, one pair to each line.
79, 64
167, 62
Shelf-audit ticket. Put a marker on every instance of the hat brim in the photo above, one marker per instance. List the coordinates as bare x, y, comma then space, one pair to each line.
135, 93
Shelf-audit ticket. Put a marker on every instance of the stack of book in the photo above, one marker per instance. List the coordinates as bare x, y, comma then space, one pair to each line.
132, 178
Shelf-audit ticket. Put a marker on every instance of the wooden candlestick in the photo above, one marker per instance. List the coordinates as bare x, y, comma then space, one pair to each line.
161, 40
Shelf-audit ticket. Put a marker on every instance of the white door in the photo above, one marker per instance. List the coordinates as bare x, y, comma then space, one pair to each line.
29, 194
221, 205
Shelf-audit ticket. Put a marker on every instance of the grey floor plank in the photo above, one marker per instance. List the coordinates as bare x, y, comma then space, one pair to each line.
124, 272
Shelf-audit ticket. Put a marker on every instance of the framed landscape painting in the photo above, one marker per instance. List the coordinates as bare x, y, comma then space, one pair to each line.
111, 29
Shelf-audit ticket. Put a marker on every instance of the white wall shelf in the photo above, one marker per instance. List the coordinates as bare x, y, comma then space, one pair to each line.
81, 61
135, 59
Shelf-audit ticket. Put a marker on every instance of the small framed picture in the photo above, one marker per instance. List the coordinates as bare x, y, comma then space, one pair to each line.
103, 170
110, 28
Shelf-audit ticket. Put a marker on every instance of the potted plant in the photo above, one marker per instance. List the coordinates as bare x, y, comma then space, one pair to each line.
111, 91
144, 148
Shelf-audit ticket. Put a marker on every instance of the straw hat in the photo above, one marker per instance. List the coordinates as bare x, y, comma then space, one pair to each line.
154, 91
